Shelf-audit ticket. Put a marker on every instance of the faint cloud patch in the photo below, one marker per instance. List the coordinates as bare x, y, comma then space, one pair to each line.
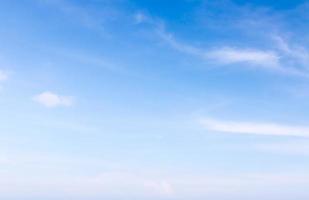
51, 100
3, 76
140, 17
162, 187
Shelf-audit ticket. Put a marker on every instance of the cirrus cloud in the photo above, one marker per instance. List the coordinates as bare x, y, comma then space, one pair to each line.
256, 128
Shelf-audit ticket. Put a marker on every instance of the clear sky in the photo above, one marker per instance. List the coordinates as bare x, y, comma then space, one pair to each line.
154, 100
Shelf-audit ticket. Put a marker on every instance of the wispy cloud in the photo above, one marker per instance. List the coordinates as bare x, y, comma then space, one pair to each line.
241, 127
224, 55
51, 100
285, 59
277, 55
170, 39
228, 55
294, 56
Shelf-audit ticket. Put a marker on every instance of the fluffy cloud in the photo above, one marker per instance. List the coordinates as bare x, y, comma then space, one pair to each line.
51, 100
254, 128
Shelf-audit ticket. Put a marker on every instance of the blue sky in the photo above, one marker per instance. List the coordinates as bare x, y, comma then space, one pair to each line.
117, 99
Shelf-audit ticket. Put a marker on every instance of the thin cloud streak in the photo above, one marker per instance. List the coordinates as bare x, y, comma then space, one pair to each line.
236, 127
228, 55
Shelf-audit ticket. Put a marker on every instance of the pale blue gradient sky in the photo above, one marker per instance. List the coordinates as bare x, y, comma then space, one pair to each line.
118, 99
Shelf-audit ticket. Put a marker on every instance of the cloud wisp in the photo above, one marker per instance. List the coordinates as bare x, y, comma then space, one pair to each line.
52, 100
225, 55
279, 56
228, 55
240, 127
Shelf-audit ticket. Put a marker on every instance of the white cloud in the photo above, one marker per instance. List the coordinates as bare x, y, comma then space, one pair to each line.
229, 55
51, 100
225, 55
254, 128
279, 57
3, 76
